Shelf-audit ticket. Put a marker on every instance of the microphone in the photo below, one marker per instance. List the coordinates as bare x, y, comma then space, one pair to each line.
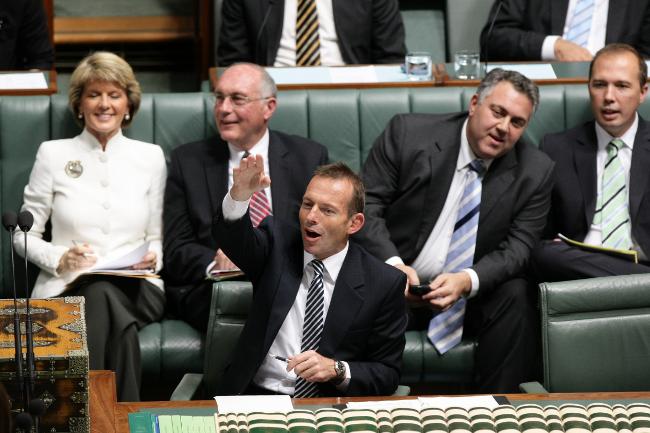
258, 38
489, 33
24, 421
10, 221
25, 222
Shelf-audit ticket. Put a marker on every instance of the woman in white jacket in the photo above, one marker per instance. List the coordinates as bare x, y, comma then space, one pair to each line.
102, 193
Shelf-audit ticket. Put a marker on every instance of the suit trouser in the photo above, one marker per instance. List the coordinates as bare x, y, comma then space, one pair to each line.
557, 261
116, 308
506, 323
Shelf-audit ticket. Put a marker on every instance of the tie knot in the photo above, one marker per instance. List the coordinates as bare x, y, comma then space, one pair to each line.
318, 266
478, 166
246, 154
615, 145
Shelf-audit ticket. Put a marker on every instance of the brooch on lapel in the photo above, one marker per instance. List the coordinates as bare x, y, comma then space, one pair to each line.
74, 169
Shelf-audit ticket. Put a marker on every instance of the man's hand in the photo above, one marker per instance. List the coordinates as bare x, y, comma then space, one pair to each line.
222, 262
312, 366
447, 289
248, 178
411, 278
566, 51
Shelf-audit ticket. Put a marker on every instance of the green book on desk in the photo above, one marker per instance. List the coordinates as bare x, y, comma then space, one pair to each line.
143, 422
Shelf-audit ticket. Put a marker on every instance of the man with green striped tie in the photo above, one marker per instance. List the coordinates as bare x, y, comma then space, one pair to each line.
602, 179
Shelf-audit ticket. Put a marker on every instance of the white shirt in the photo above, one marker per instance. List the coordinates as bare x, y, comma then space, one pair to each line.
330, 53
114, 205
431, 260
594, 236
597, 32
272, 374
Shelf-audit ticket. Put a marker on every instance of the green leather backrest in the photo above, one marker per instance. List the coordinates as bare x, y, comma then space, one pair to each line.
230, 304
465, 20
347, 121
595, 334
425, 31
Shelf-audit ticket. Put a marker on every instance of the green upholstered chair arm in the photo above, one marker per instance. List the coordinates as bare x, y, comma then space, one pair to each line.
532, 388
189, 388
229, 309
595, 334
168, 349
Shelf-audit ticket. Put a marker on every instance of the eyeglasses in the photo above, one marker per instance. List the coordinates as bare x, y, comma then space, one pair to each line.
238, 100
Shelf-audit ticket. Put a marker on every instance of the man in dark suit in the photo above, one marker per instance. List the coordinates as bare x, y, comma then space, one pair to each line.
580, 205
24, 36
200, 174
327, 318
417, 177
563, 30
351, 32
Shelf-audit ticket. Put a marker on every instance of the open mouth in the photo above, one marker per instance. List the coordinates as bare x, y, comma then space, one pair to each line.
310, 234
496, 138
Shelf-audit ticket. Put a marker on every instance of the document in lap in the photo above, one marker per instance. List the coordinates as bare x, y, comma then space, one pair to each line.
120, 266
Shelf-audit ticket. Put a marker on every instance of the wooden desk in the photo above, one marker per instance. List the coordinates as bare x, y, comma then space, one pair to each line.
108, 416
51, 86
214, 71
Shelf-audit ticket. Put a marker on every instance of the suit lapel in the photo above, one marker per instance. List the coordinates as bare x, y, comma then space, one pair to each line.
346, 300
558, 16
616, 20
639, 175
284, 293
584, 160
443, 155
280, 174
497, 180
273, 29
215, 168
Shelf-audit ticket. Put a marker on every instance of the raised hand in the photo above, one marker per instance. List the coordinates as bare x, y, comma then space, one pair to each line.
248, 178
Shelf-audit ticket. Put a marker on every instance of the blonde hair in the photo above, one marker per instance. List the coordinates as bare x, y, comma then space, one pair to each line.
108, 67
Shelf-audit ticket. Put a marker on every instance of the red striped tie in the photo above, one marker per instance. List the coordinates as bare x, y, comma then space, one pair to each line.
259, 207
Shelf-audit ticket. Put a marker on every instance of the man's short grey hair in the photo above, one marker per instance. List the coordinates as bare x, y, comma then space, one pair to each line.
267, 85
521, 84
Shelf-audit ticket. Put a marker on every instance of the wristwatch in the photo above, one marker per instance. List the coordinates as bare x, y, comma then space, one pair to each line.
339, 369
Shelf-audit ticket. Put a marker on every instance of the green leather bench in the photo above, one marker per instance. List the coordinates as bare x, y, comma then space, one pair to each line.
346, 121
595, 335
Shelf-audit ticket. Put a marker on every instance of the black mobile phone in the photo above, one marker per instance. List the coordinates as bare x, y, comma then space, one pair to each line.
419, 289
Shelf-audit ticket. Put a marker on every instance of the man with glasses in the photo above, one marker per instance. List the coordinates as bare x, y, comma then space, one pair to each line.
200, 174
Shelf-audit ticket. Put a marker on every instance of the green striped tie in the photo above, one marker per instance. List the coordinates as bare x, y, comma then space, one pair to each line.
307, 38
613, 208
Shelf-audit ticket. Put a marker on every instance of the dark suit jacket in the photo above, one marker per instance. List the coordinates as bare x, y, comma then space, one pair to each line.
574, 194
407, 177
196, 185
365, 322
522, 25
24, 37
369, 31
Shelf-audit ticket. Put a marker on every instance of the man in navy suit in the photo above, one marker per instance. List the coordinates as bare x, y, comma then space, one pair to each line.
415, 177
552, 29
200, 174
617, 86
312, 285
350, 32
24, 37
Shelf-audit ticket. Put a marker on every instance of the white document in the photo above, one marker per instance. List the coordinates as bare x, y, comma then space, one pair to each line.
353, 74
253, 403
23, 80
124, 261
386, 404
486, 401
534, 71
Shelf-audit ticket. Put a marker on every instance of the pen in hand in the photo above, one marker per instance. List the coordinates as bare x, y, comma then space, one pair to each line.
280, 358
77, 243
